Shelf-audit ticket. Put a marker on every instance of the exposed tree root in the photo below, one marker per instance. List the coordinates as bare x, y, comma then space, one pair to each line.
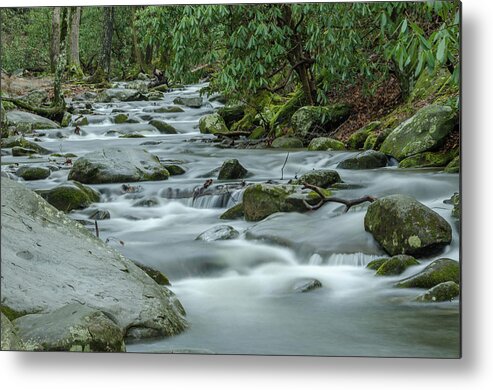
348, 202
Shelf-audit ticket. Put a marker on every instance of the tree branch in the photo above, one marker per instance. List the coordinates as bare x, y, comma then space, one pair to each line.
349, 203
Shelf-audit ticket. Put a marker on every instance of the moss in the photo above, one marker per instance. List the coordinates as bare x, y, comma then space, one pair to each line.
82, 121
376, 264
262, 200
396, 265
234, 212
212, 124
67, 117
156, 275
232, 114
163, 127
158, 174
319, 177
283, 113
10, 313
132, 135
33, 173
426, 160
357, 139
446, 291
120, 118
258, 133
287, 142
453, 166
325, 143
68, 197
439, 271
375, 140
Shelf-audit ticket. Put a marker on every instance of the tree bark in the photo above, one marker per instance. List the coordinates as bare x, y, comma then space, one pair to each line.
74, 60
55, 38
135, 42
105, 58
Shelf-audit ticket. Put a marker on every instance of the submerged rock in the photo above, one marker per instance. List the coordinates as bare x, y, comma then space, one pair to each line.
325, 143
234, 212
212, 124
439, 271
369, 159
73, 327
70, 196
446, 291
117, 165
189, 101
396, 265
163, 127
306, 285
232, 169
219, 232
426, 130
402, 225
33, 172
287, 142
66, 263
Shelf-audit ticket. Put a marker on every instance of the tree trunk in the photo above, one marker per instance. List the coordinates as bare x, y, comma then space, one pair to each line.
60, 62
73, 58
55, 38
137, 54
105, 58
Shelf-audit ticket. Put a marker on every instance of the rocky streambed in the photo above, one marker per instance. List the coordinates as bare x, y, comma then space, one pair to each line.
255, 271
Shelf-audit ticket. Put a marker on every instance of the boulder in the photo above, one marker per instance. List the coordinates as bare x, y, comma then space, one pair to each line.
157, 276
453, 166
212, 124
69, 196
325, 143
232, 169
358, 138
446, 291
147, 202
424, 131
49, 261
26, 121
119, 95
376, 264
162, 110
402, 225
314, 121
306, 285
231, 114
18, 151
117, 165
20, 141
426, 160
369, 159
396, 265
163, 127
287, 142
189, 101
319, 177
33, 172
120, 118
100, 214
73, 327
174, 169
10, 339
234, 212
439, 271
219, 232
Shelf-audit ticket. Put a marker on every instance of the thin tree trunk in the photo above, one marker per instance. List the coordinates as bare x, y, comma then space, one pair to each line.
60, 62
105, 59
73, 59
55, 38
137, 53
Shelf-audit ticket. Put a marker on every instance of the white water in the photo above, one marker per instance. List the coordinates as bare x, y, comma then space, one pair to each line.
239, 294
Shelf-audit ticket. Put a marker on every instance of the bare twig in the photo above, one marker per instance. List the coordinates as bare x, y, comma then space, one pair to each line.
283, 165
349, 203
97, 228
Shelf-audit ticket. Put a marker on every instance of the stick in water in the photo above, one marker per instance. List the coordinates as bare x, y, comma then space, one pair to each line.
283, 165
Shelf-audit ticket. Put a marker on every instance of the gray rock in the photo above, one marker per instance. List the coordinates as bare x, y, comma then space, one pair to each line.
122, 95
319, 177
232, 169
325, 143
49, 260
189, 101
369, 159
163, 127
212, 124
306, 285
33, 172
25, 121
73, 327
402, 225
10, 339
20, 141
286, 142
234, 212
219, 232
100, 214
446, 291
117, 165
69, 196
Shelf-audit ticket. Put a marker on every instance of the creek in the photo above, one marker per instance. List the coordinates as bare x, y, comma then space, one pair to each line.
239, 294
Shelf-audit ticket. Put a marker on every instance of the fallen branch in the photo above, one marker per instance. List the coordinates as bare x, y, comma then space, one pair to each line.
349, 203
283, 165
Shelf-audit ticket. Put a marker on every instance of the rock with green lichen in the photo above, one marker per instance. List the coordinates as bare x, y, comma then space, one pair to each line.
73, 327
287, 142
439, 271
446, 291
424, 131
33, 172
120, 118
19, 141
81, 121
375, 264
375, 139
455, 201
232, 114
314, 121
212, 124
453, 166
117, 165
234, 212
174, 169
231, 170
426, 160
10, 339
325, 143
26, 121
282, 114
18, 151
131, 135
369, 159
67, 117
163, 127
319, 177
70, 196
358, 138
396, 265
402, 225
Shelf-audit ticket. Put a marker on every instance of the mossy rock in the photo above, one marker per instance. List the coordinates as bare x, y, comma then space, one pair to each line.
446, 291
234, 212
358, 138
163, 127
402, 225
84, 121
10, 341
455, 201
174, 169
453, 166
189, 101
33, 173
325, 143
439, 271
231, 170
369, 159
70, 196
18, 151
426, 160
132, 135
258, 133
231, 114
425, 131
376, 264
283, 113
67, 117
155, 275
319, 177
212, 124
287, 142
19, 141
396, 265
375, 140
120, 118
10, 313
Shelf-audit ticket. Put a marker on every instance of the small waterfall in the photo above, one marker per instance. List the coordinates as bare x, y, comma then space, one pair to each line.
354, 259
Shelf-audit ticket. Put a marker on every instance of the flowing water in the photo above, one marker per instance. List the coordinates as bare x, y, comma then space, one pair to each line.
239, 294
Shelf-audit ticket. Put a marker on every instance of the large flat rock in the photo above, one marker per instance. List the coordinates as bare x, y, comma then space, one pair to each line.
49, 261
28, 121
